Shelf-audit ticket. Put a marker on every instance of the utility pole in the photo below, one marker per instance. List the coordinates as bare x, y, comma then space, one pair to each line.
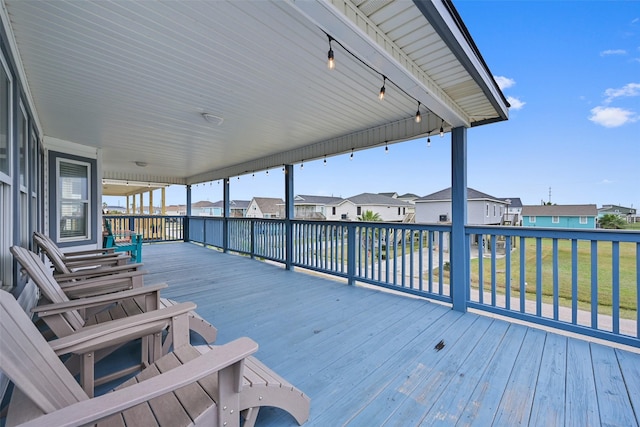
549, 196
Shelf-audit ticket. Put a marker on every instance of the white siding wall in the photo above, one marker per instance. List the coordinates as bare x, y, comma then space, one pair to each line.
254, 210
429, 212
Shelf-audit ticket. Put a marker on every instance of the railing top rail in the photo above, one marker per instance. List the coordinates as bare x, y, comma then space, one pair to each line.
560, 233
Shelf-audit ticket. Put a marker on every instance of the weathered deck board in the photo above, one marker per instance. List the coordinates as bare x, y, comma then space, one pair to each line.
367, 357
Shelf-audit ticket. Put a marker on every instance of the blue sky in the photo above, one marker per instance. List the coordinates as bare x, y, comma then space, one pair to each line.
571, 71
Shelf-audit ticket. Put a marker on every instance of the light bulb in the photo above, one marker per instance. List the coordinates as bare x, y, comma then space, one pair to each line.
382, 89
351, 156
331, 63
325, 160
442, 129
386, 148
428, 142
418, 117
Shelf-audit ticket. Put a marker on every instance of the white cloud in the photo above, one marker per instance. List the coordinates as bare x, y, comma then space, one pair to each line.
631, 89
606, 181
504, 82
612, 117
515, 103
613, 52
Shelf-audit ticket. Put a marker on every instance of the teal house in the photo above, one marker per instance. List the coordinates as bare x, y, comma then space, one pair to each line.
560, 216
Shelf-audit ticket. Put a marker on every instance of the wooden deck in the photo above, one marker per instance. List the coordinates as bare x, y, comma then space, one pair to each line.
367, 358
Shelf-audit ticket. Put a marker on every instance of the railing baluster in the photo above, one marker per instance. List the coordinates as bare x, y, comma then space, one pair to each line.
481, 269
507, 272
556, 287
538, 276
574, 281
594, 284
523, 277
420, 255
493, 270
615, 286
441, 262
430, 267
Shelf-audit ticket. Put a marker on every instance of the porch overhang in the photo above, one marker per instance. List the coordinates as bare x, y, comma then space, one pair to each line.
134, 79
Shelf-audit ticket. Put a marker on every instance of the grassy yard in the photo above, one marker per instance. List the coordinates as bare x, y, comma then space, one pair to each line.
628, 275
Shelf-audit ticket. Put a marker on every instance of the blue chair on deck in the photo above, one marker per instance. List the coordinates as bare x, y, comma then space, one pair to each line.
128, 241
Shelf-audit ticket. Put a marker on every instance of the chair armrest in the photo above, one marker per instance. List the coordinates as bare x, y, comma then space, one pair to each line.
107, 334
102, 251
77, 304
94, 261
104, 285
92, 410
95, 272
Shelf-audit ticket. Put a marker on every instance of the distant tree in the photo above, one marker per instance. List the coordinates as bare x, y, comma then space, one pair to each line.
611, 221
369, 216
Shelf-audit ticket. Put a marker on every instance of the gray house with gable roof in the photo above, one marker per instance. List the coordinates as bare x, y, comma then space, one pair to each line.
482, 208
388, 208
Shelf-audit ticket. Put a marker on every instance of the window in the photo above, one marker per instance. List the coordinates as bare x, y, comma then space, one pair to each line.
333, 210
583, 220
6, 206
398, 211
359, 210
532, 219
23, 201
555, 219
5, 120
494, 210
73, 199
487, 209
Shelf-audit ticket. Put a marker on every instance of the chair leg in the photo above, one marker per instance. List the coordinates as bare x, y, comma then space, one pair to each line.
87, 373
250, 416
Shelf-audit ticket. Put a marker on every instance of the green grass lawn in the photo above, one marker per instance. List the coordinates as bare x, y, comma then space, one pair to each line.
628, 275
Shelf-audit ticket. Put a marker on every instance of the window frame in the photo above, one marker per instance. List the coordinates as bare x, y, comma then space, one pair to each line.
86, 201
555, 219
5, 177
532, 219
55, 198
584, 220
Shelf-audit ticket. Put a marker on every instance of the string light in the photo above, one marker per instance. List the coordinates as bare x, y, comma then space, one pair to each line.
381, 94
351, 156
238, 177
331, 63
386, 147
428, 141
267, 172
442, 129
253, 175
302, 164
325, 160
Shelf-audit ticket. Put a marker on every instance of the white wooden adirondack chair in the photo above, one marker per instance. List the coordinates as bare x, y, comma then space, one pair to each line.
60, 293
167, 393
64, 318
72, 261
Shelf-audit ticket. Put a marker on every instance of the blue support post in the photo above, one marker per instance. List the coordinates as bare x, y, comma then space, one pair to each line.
351, 254
459, 255
185, 229
225, 214
289, 214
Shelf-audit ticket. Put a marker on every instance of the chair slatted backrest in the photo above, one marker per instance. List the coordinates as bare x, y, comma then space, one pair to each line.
43, 278
52, 251
28, 361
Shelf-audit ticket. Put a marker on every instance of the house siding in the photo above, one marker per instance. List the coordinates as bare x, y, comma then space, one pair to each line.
563, 222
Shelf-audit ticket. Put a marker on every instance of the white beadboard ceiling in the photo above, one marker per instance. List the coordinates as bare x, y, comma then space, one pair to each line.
134, 77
